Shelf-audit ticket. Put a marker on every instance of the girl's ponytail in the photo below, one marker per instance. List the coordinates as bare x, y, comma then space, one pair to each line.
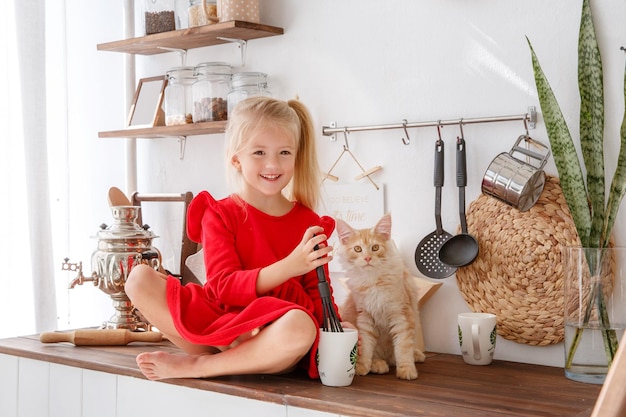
307, 177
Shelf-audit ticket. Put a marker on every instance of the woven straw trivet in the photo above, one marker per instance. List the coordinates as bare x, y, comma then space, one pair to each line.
518, 274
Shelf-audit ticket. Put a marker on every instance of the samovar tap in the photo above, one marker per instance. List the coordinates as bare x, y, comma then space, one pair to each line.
80, 278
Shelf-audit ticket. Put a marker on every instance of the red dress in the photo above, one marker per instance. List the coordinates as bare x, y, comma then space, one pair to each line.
239, 241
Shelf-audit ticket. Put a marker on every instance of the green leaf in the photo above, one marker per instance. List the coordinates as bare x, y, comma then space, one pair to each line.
618, 184
563, 152
591, 89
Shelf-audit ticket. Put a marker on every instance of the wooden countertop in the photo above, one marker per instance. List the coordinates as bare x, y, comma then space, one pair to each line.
446, 386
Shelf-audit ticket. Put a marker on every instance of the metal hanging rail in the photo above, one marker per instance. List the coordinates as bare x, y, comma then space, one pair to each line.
529, 119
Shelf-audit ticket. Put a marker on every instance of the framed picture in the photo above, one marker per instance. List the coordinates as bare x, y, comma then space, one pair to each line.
146, 109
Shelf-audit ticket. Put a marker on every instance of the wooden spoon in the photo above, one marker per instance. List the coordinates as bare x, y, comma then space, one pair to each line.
118, 198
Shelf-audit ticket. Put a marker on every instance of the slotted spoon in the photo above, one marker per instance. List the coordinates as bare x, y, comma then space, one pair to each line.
427, 251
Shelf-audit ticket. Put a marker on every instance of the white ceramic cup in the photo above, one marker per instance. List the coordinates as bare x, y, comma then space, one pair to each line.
477, 337
336, 357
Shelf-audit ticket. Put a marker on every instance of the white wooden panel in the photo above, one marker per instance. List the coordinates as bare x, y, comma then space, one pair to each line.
305, 412
33, 388
139, 397
8, 385
30, 388
65, 391
99, 394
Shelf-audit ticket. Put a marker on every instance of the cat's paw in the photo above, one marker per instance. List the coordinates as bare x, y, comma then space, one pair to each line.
419, 356
361, 369
406, 372
379, 366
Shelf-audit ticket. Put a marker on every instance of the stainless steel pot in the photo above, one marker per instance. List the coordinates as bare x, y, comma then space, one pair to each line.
121, 247
514, 181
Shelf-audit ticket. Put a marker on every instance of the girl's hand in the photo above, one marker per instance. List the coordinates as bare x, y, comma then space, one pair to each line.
303, 259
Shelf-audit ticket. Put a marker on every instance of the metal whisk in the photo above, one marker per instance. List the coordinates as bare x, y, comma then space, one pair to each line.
330, 322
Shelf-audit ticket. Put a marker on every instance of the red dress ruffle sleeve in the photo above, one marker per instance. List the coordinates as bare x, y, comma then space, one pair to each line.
238, 240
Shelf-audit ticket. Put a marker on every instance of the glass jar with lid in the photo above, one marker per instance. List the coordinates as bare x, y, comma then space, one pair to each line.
210, 91
202, 12
178, 96
159, 16
247, 84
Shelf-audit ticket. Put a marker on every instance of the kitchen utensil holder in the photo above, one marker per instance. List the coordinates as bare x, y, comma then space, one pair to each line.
529, 118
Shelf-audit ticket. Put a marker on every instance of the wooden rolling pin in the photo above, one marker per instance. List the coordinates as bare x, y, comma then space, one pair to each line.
100, 337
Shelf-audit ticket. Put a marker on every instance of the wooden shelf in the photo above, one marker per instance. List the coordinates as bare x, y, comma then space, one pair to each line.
192, 129
196, 37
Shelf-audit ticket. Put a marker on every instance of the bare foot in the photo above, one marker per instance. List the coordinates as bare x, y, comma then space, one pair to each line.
244, 337
162, 365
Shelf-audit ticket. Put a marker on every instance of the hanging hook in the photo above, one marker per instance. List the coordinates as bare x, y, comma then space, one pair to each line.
439, 131
345, 138
526, 127
406, 140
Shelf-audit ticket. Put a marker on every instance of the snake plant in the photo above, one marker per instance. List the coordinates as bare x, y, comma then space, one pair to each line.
593, 216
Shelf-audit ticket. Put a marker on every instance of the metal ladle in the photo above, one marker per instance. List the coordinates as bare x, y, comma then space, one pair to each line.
462, 249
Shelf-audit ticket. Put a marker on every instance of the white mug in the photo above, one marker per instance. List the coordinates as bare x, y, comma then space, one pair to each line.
477, 337
336, 357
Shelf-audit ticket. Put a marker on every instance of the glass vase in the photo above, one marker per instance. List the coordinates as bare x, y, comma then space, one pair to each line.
595, 310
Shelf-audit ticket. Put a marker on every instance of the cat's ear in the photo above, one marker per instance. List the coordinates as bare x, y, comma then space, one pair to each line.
344, 231
383, 227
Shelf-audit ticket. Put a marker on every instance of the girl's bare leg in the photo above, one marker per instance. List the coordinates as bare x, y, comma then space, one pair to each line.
146, 288
277, 348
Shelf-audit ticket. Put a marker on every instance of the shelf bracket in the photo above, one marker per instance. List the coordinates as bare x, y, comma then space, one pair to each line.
241, 44
182, 52
182, 141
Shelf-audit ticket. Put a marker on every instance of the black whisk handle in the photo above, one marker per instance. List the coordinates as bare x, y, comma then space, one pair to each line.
324, 290
321, 275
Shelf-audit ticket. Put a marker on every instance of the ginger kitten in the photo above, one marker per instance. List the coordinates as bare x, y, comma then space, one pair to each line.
382, 302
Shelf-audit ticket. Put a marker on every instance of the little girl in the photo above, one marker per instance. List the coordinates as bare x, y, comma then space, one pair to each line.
260, 309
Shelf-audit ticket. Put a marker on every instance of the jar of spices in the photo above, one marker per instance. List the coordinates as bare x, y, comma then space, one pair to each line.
178, 96
202, 12
246, 84
210, 91
159, 16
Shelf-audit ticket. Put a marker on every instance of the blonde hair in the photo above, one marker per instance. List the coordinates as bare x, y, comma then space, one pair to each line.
294, 119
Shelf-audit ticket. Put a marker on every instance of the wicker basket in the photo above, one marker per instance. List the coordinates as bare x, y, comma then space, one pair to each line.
518, 274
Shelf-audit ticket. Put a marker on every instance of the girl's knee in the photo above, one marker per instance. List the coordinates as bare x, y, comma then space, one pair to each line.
139, 277
300, 327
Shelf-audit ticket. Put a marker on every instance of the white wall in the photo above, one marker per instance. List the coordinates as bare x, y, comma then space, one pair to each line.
360, 62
